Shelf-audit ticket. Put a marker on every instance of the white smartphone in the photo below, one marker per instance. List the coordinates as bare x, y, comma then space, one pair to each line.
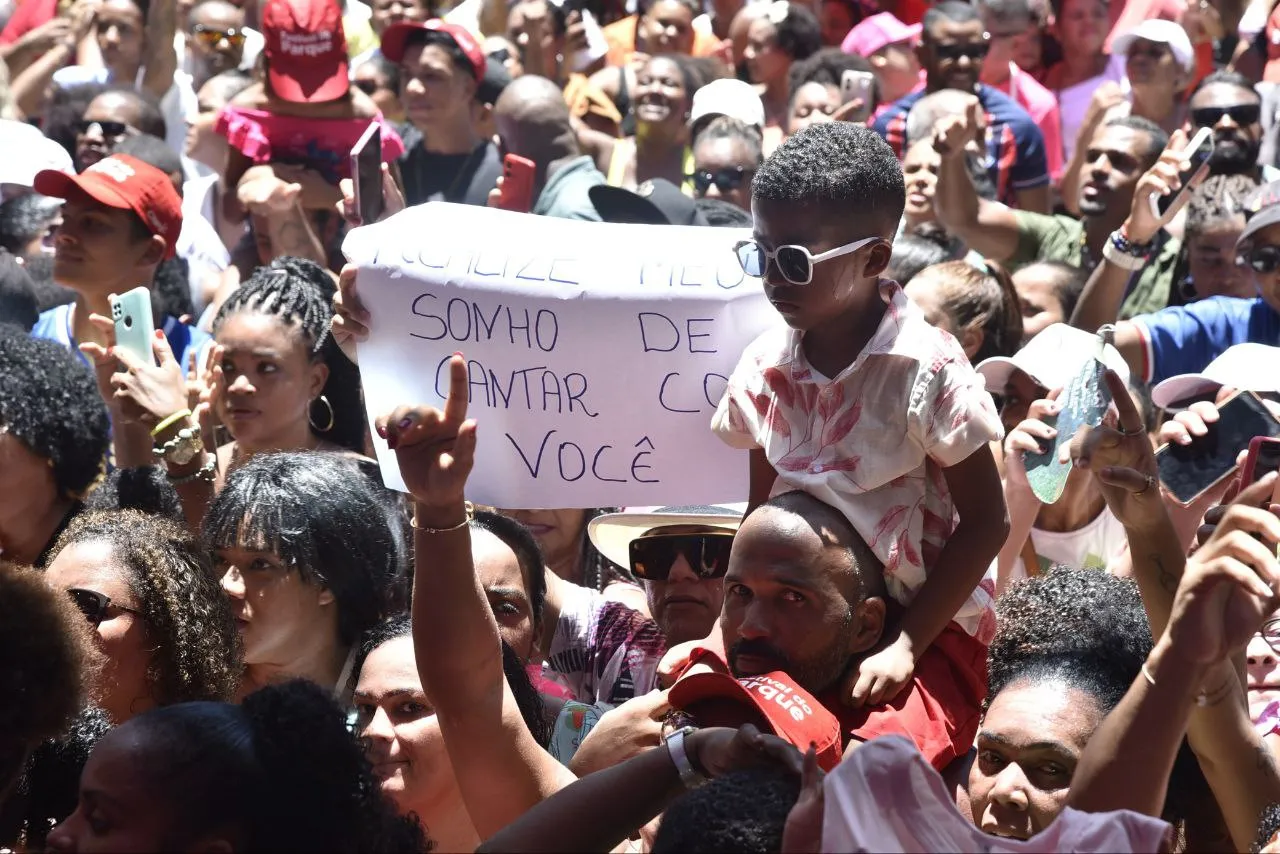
1197, 152
858, 84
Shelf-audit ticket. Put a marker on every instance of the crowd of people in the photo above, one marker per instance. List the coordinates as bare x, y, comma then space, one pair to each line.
979, 588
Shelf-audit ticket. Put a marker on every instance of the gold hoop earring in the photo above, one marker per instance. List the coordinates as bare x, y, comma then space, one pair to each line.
328, 406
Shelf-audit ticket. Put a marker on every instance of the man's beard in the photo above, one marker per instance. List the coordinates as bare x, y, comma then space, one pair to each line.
1237, 158
815, 675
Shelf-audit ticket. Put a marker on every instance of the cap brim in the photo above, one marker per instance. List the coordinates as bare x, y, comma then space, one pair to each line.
394, 37
311, 83
700, 688
1264, 218
615, 204
1167, 393
612, 533
60, 185
996, 373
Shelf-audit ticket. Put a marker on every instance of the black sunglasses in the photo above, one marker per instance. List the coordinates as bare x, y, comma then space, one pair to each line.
724, 179
1241, 114
500, 55
94, 605
366, 86
1263, 259
976, 51
106, 128
708, 554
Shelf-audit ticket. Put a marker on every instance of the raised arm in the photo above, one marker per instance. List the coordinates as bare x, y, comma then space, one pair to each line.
988, 227
160, 57
501, 770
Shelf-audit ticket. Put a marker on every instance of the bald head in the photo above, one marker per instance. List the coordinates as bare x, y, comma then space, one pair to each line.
800, 514
533, 121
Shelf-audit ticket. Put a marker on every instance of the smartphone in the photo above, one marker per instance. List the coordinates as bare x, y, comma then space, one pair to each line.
131, 313
858, 84
517, 184
1197, 152
1263, 458
366, 174
1188, 471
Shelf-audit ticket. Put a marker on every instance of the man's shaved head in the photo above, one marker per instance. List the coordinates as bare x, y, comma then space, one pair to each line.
533, 121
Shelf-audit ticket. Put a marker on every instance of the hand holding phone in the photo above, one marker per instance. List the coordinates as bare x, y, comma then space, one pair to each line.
1263, 459
516, 193
366, 174
858, 85
1196, 154
1189, 471
131, 313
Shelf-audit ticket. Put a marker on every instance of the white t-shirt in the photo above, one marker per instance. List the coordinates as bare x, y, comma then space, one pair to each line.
1092, 547
178, 103
1073, 102
198, 241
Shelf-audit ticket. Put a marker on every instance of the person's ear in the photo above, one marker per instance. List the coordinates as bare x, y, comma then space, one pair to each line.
156, 251
878, 61
326, 597
319, 376
878, 259
869, 622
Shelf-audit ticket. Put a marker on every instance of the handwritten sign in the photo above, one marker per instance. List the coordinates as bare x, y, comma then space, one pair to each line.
596, 353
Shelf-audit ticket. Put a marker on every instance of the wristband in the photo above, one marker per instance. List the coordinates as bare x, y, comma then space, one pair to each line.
169, 422
689, 776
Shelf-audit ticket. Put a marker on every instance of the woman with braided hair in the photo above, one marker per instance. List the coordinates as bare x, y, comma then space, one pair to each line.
278, 382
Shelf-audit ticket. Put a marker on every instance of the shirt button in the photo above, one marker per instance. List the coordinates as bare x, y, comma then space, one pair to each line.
817, 468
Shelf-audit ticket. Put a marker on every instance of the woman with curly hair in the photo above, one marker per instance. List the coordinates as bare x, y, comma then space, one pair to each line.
163, 632
309, 561
787, 33
280, 772
42, 664
1068, 645
54, 435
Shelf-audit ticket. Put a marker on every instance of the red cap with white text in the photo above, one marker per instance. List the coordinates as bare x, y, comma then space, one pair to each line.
306, 50
771, 701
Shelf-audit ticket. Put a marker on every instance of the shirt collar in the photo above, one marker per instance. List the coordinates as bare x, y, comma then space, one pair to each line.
899, 307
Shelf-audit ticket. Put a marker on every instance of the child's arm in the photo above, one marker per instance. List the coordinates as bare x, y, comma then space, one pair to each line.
984, 524
763, 475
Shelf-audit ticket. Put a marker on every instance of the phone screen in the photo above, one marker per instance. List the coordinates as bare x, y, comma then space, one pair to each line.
366, 173
1189, 470
1197, 158
1268, 460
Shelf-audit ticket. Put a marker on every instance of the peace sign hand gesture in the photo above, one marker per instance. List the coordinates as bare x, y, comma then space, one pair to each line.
435, 449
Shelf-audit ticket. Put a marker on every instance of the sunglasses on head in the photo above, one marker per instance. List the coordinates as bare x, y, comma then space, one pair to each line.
211, 36
1241, 114
107, 129
1262, 259
94, 605
976, 51
794, 262
708, 554
724, 179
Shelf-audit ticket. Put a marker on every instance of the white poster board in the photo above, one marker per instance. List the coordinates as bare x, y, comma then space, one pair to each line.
596, 353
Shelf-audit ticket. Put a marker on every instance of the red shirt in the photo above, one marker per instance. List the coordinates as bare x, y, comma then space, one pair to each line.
29, 15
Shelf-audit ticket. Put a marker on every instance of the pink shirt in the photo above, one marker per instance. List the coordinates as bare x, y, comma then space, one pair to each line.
1042, 106
873, 441
885, 797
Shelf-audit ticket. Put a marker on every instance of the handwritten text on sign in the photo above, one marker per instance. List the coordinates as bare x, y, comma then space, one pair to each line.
596, 353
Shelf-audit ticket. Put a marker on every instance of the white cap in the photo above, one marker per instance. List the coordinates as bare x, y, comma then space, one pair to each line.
1051, 358
1165, 32
1247, 367
27, 152
728, 97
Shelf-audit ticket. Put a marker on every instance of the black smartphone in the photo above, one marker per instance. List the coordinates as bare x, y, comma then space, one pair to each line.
366, 174
1188, 471
1198, 151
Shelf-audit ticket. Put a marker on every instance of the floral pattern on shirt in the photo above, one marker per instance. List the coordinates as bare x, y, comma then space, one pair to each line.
874, 441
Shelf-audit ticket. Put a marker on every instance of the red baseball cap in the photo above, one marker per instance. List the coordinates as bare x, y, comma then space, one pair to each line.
306, 49
395, 36
124, 183
772, 701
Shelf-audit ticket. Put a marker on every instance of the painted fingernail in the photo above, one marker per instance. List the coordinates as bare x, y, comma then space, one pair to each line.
457, 352
382, 430
406, 422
